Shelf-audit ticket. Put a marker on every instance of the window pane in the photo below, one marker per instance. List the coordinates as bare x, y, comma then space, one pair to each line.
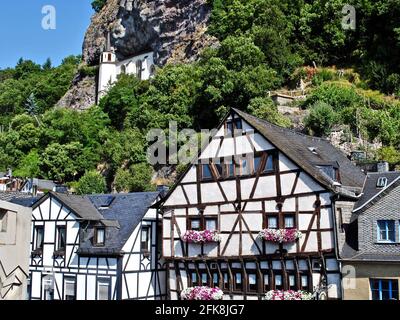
215, 279
226, 281
218, 166
39, 238
245, 167
144, 234
61, 238
211, 224
269, 166
266, 281
194, 278
257, 162
103, 290
229, 126
100, 236
204, 278
69, 289
289, 222
375, 295
278, 280
195, 224
231, 168
304, 281
292, 281
207, 172
272, 222
252, 279
238, 124
238, 278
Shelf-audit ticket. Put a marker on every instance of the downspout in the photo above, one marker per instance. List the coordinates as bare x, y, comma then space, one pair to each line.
334, 198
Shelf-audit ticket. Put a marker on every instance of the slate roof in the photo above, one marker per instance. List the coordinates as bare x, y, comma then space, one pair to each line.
297, 147
40, 183
122, 216
80, 205
119, 213
15, 196
371, 257
371, 190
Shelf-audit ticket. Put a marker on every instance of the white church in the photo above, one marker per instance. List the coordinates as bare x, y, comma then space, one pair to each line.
110, 68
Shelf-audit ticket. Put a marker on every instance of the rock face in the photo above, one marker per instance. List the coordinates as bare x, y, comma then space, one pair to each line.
82, 94
175, 30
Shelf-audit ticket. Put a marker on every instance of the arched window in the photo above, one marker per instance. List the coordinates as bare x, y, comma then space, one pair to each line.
123, 69
139, 69
152, 70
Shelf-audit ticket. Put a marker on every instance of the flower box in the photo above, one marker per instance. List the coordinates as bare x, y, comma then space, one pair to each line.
280, 235
206, 236
288, 295
202, 293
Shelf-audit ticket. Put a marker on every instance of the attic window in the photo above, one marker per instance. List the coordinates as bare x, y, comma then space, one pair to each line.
313, 150
232, 125
107, 202
382, 182
99, 236
330, 171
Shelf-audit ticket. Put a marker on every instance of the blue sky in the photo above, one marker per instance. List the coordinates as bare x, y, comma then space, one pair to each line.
22, 35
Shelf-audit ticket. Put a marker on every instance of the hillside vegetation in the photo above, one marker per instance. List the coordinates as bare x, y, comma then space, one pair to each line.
264, 45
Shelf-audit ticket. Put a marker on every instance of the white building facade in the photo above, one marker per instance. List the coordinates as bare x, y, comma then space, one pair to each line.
261, 177
141, 65
96, 248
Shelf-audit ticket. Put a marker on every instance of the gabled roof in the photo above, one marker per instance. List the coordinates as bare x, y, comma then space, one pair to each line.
79, 205
299, 148
372, 193
119, 213
308, 153
122, 216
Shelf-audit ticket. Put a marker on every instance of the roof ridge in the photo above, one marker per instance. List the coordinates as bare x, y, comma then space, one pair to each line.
282, 128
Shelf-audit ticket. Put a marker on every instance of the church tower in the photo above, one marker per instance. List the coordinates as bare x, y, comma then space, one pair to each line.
108, 69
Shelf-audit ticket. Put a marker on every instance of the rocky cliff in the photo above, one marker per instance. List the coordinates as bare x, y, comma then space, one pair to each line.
175, 30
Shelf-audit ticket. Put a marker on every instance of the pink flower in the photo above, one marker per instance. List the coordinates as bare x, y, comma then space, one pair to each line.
192, 236
280, 235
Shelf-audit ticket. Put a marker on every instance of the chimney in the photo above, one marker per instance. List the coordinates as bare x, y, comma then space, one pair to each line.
382, 166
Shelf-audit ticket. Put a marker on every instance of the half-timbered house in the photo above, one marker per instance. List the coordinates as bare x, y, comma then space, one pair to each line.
97, 247
254, 176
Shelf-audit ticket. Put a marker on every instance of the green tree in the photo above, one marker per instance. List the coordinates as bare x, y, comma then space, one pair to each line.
136, 179
265, 108
97, 5
29, 166
92, 182
321, 119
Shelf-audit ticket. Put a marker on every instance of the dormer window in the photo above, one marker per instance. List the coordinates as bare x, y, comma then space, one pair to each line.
382, 182
330, 171
99, 236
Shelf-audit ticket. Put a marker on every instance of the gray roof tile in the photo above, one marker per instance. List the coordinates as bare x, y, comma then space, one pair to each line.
297, 147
